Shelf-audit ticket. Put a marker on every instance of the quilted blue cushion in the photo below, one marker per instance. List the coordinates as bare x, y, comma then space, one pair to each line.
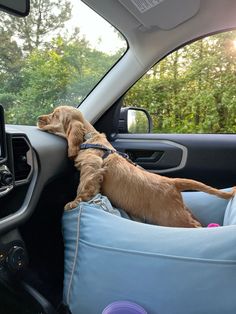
230, 213
165, 270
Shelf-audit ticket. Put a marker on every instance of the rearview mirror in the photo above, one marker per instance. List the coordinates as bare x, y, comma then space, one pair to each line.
134, 120
15, 7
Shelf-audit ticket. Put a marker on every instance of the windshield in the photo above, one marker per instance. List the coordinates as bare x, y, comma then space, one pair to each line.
54, 56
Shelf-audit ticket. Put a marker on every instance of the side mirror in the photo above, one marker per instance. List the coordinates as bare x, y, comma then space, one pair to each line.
15, 7
134, 120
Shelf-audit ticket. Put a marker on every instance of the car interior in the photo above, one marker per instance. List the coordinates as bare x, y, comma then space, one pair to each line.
37, 178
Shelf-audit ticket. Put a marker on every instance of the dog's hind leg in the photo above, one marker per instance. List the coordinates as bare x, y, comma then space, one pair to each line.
91, 177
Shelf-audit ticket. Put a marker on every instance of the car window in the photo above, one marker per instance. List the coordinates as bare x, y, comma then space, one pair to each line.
54, 56
192, 90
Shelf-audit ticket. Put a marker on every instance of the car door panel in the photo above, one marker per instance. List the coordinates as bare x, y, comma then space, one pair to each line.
205, 157
155, 155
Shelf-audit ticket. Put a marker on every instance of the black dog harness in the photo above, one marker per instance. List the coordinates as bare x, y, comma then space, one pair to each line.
107, 150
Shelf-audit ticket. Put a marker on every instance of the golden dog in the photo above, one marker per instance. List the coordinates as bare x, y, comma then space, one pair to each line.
150, 197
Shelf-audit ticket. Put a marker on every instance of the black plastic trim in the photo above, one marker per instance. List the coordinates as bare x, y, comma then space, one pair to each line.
210, 157
49, 155
15, 12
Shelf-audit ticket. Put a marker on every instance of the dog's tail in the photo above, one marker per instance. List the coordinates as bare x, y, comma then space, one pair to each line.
188, 184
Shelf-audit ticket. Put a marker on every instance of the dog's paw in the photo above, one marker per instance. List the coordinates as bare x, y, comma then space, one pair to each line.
72, 204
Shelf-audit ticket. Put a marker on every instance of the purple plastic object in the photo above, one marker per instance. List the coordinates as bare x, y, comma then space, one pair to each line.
123, 307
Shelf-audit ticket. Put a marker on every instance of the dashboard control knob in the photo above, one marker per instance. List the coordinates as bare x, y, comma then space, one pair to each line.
6, 178
17, 258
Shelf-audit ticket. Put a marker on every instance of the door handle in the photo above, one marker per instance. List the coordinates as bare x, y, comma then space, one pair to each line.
139, 156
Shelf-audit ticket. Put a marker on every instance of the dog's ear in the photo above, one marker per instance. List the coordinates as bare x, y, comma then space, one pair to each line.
75, 136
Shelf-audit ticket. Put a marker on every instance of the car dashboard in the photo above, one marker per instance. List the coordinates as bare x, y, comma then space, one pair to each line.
32, 159
36, 181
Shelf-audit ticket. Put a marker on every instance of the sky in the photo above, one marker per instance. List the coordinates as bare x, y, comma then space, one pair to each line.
97, 31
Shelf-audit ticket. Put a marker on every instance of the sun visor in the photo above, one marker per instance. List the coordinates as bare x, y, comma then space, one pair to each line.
165, 14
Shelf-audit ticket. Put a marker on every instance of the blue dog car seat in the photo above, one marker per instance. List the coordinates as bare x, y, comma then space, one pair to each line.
165, 270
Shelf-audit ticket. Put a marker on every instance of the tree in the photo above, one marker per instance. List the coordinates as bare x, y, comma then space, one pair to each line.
46, 17
63, 72
10, 53
10, 63
192, 90
20, 37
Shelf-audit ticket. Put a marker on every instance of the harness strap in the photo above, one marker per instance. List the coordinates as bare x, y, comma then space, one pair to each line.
107, 150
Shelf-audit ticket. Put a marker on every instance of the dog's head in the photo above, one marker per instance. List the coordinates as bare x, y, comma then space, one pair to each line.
68, 122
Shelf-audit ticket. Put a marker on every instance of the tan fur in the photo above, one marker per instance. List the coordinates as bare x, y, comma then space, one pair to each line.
151, 197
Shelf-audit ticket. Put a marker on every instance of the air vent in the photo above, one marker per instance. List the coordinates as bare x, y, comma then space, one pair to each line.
22, 159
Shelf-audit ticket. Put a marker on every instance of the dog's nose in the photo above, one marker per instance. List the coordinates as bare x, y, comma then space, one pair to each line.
42, 120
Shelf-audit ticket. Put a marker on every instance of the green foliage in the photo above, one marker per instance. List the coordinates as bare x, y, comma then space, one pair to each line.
61, 73
193, 90
46, 17
39, 72
137, 121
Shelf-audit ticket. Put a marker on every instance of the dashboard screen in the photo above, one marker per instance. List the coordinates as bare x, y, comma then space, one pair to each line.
2, 135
